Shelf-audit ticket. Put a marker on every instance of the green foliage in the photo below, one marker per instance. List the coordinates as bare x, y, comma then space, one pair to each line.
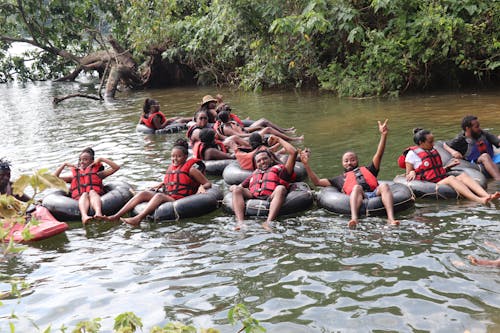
127, 322
239, 313
88, 326
350, 47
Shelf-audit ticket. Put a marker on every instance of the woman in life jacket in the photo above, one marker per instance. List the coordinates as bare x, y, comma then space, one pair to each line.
209, 148
201, 122
228, 127
86, 181
153, 118
183, 178
269, 181
422, 162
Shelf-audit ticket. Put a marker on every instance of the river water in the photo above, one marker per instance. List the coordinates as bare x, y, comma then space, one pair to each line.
312, 274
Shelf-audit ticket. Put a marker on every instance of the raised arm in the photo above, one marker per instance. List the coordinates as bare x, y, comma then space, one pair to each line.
304, 158
290, 149
384, 130
61, 168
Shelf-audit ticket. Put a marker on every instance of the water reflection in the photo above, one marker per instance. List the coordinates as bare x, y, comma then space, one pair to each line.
311, 275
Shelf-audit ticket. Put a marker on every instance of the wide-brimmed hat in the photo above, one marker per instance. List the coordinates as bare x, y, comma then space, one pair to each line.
206, 99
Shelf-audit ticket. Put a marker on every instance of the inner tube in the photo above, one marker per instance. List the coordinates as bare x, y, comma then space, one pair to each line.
169, 129
299, 198
64, 208
216, 167
425, 189
191, 206
233, 174
335, 201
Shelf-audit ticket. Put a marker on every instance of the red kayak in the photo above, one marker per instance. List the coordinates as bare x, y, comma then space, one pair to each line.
47, 227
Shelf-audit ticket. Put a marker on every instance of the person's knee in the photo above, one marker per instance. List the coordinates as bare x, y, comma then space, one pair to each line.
384, 188
280, 190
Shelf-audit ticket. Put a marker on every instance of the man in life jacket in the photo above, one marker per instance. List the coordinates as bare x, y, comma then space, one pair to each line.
6, 184
86, 181
358, 182
475, 145
269, 181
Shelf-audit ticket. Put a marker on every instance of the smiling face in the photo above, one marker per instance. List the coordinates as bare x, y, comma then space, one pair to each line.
262, 161
178, 156
85, 160
201, 119
428, 144
349, 161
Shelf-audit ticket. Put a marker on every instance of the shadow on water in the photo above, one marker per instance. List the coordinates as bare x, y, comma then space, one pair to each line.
312, 274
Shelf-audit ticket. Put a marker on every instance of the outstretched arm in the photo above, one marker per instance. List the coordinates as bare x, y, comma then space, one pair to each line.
377, 158
290, 149
304, 158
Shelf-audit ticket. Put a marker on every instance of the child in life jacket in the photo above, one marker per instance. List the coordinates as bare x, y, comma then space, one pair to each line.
183, 178
269, 181
86, 181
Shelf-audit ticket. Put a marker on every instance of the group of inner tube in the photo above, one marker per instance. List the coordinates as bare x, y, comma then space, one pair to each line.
265, 174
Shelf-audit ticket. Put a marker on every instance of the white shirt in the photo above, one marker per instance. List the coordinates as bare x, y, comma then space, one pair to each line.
412, 158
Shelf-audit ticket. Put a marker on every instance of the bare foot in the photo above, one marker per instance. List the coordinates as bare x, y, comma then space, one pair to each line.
352, 224
86, 219
495, 196
484, 262
267, 226
239, 225
298, 138
393, 222
111, 218
473, 260
131, 221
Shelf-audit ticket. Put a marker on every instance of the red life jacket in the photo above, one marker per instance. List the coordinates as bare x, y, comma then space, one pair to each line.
199, 148
431, 169
178, 182
263, 183
236, 119
85, 180
359, 176
149, 120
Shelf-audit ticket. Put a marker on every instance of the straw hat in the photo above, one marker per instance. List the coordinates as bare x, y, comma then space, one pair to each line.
207, 98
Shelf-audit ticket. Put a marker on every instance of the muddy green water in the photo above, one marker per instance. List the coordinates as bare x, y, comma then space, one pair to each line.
311, 275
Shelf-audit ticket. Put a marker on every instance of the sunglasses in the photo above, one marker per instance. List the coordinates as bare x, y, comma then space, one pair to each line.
206, 118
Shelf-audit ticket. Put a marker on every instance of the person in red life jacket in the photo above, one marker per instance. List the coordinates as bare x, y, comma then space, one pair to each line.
422, 162
209, 148
6, 184
358, 182
153, 118
209, 106
228, 128
201, 122
269, 181
475, 145
183, 178
244, 155
86, 181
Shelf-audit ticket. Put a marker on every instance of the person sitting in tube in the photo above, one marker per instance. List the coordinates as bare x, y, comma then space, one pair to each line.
153, 118
358, 182
269, 181
209, 148
86, 181
476, 146
183, 178
6, 184
423, 162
